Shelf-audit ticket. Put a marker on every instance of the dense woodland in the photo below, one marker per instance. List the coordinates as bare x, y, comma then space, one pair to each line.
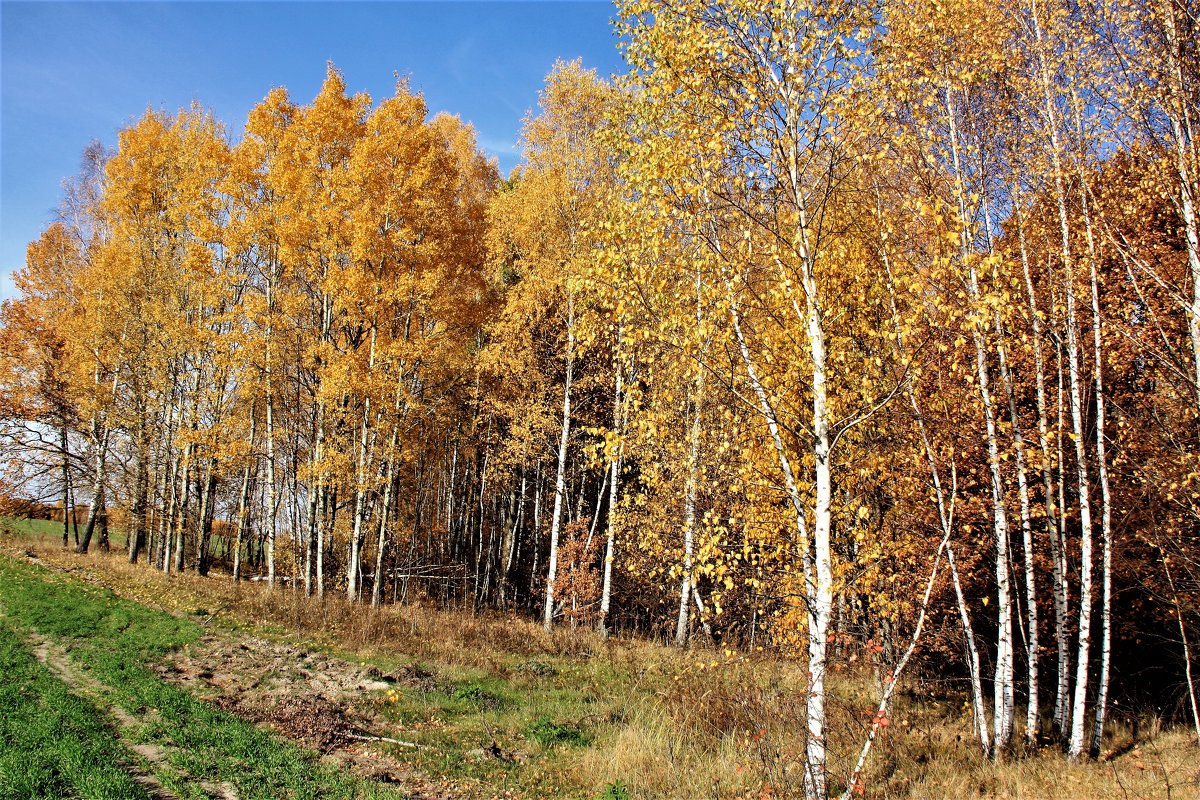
831, 328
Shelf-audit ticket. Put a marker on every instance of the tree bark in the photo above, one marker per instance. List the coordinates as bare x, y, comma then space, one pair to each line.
560, 479
1003, 699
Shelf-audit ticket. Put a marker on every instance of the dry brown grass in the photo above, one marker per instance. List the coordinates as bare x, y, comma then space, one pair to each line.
672, 724
420, 632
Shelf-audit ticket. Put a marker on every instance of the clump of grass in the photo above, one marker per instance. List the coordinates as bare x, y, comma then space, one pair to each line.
549, 733
475, 694
617, 790
536, 667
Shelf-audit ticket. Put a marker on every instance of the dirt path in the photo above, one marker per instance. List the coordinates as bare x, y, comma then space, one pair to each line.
123, 724
300, 695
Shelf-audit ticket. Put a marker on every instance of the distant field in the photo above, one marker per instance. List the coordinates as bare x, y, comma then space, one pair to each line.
51, 531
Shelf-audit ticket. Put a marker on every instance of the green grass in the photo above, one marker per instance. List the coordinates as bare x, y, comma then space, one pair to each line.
549, 733
50, 532
36, 527
539, 712
53, 744
114, 640
528, 718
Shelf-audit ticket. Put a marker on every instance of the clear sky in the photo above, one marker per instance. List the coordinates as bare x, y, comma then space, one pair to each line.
73, 72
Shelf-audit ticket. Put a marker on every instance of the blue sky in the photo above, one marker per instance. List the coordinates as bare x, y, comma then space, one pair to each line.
73, 72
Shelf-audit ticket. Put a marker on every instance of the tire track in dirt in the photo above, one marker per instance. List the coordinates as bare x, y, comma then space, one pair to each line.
125, 724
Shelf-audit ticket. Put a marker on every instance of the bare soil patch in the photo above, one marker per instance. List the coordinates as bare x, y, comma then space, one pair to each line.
325, 703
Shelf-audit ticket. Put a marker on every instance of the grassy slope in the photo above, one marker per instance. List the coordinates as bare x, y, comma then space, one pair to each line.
44, 530
580, 714
53, 744
113, 639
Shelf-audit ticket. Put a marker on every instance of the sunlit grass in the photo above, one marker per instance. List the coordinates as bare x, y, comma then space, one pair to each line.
114, 640
53, 744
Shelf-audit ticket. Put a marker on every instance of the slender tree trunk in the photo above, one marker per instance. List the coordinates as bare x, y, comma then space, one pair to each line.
1003, 700
74, 517
1057, 533
613, 489
560, 480
102, 524
97, 504
1187, 653
314, 558
818, 594
1031, 613
269, 389
248, 476
1079, 703
66, 482
1180, 104
511, 534
822, 609
323, 495
207, 498
389, 478
1058, 574
1101, 461
168, 522
1061, 464
689, 503
358, 533
534, 573
141, 490
1051, 123
184, 495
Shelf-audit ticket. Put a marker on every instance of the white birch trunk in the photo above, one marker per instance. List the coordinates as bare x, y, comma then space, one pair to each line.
169, 484
1031, 614
560, 479
1101, 707
613, 490
1003, 699
814, 776
384, 511
689, 509
1179, 113
1079, 702
1187, 652
243, 512
821, 611
358, 534
1057, 534
1105, 529
268, 386
1051, 124
692, 484
1058, 575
